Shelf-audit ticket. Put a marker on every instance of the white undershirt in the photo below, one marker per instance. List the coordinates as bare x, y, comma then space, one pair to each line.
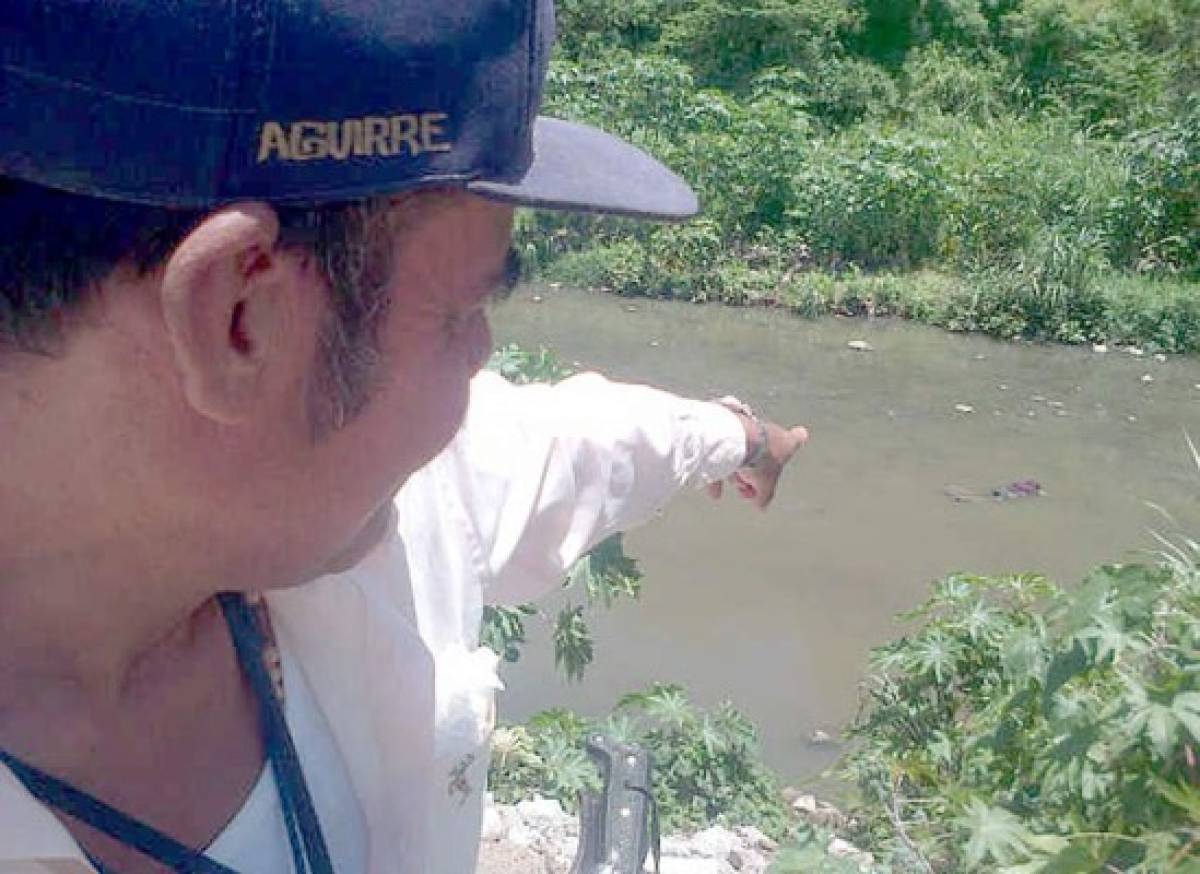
256, 841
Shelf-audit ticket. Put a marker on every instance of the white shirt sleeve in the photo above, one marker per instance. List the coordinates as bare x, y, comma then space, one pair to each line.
547, 472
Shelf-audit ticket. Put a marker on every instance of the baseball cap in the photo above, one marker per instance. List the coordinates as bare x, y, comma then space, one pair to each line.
195, 103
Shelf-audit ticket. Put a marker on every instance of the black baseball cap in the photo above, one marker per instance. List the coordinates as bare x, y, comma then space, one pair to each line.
196, 103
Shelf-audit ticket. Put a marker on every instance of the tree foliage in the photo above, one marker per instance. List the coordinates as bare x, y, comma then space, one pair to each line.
706, 765
1027, 728
1042, 151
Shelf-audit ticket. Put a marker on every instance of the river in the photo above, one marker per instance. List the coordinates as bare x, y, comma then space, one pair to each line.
776, 611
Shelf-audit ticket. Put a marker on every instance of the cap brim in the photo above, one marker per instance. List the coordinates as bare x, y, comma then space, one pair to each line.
582, 169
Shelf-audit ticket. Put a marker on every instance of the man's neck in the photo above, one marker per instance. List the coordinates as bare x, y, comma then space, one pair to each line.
87, 639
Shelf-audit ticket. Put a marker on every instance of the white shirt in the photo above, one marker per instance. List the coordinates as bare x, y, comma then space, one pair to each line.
256, 839
536, 477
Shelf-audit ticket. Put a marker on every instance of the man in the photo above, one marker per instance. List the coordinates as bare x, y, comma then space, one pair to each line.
246, 251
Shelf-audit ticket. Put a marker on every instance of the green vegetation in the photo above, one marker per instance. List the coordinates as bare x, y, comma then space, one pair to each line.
706, 765
1022, 167
1027, 729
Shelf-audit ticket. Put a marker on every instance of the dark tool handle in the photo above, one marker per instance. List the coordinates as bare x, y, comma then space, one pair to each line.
615, 823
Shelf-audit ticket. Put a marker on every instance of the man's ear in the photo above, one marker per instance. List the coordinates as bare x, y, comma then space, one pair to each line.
226, 307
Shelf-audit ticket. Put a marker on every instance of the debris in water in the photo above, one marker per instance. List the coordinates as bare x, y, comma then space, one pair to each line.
1147, 378
1022, 488
1136, 352
630, 308
1131, 418
1159, 357
1037, 399
861, 346
537, 298
1056, 405
1002, 387
820, 738
653, 342
981, 357
963, 408
1099, 347
554, 284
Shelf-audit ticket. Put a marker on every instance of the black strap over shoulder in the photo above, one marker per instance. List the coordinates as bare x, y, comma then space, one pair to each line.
309, 852
112, 822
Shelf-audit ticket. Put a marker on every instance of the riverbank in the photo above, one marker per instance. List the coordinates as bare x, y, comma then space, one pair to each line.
1157, 315
537, 836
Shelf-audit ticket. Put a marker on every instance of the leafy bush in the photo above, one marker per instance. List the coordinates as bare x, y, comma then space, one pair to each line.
1036, 149
706, 766
1025, 728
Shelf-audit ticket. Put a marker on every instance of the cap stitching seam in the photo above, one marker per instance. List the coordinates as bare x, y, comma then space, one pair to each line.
70, 85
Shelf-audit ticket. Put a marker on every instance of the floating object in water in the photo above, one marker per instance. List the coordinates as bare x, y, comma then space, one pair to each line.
1022, 488
861, 346
1159, 357
963, 408
1147, 378
1136, 352
1099, 347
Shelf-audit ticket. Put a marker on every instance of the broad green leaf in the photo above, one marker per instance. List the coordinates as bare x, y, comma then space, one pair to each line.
995, 834
1186, 798
1063, 668
1186, 708
1074, 859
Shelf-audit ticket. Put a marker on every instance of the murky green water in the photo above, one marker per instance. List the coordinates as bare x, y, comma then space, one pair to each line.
776, 611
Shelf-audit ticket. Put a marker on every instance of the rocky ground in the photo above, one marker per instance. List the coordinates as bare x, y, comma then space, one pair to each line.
539, 837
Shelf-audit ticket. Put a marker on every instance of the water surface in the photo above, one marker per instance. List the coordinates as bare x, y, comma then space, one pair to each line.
776, 611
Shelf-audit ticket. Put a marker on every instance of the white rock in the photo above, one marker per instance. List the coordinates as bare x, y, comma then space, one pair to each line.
541, 811
522, 836
755, 839
861, 346
963, 408
1146, 377
675, 845
747, 861
676, 865
716, 842
805, 804
841, 849
493, 825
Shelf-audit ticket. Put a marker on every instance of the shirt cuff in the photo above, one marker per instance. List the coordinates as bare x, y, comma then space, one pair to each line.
718, 447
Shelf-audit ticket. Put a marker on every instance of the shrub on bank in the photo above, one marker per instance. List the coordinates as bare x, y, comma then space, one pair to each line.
1042, 151
706, 765
1028, 728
